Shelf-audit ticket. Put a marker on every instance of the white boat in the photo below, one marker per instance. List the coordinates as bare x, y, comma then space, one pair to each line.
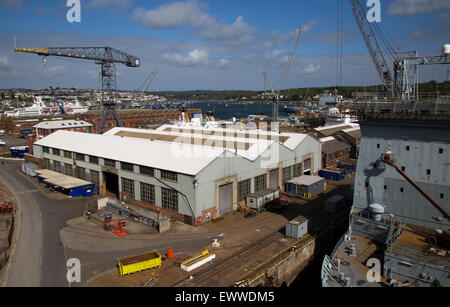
75, 108
36, 109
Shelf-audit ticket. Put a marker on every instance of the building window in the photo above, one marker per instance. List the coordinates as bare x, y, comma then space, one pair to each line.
171, 176
401, 190
441, 150
67, 154
144, 170
442, 196
297, 170
56, 152
126, 167
47, 163
128, 187
110, 163
428, 172
244, 189
93, 160
169, 199
46, 149
403, 168
80, 157
378, 145
260, 183
57, 166
68, 170
407, 148
95, 177
286, 174
80, 173
147, 193
385, 187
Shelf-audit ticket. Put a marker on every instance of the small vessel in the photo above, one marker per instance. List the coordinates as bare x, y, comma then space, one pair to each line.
36, 109
75, 108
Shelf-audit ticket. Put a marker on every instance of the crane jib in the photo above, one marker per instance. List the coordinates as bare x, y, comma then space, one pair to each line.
101, 54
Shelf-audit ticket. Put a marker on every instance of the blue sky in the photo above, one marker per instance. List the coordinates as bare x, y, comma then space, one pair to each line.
215, 44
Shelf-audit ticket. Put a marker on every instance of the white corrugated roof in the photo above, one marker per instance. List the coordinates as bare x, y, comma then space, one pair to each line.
257, 145
180, 158
62, 124
327, 139
337, 126
352, 129
306, 180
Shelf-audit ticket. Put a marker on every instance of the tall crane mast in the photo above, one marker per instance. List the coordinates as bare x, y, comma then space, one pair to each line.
147, 84
104, 56
403, 83
283, 76
360, 14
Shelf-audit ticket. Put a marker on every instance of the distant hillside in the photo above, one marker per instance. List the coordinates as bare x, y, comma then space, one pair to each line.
428, 89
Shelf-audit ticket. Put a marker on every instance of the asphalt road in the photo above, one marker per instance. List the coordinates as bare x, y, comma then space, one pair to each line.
40, 254
12, 141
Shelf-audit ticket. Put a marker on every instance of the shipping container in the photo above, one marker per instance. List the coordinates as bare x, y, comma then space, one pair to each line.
139, 263
260, 199
348, 166
19, 152
26, 132
334, 175
297, 228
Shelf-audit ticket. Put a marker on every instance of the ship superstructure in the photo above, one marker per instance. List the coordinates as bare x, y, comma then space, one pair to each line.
399, 224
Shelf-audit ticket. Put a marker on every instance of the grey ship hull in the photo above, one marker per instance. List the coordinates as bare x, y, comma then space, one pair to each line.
408, 237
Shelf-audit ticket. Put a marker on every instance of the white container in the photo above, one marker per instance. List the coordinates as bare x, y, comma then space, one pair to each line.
446, 49
258, 200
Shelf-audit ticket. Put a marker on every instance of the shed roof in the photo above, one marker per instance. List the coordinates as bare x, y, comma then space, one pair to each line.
181, 158
334, 146
247, 144
306, 180
330, 130
62, 124
353, 132
61, 180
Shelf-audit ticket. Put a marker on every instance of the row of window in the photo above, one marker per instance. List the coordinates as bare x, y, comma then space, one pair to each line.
67, 169
144, 170
408, 148
244, 187
169, 197
441, 195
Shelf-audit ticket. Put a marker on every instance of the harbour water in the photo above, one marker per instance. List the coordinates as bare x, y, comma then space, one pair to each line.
226, 111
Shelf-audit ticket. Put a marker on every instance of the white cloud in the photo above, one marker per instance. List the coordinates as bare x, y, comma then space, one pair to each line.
196, 57
413, 7
6, 68
310, 69
173, 15
192, 15
101, 4
56, 70
5, 64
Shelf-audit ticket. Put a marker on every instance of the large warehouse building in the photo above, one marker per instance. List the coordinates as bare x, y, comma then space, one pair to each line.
189, 173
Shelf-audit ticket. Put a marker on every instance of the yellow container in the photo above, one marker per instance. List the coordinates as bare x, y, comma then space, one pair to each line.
139, 263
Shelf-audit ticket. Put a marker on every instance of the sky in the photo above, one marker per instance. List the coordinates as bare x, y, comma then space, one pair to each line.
212, 44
